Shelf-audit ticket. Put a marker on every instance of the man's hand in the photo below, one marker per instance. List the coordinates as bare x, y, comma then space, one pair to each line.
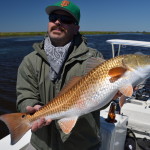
118, 94
39, 123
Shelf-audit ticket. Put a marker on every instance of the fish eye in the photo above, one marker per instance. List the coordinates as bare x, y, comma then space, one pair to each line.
23, 116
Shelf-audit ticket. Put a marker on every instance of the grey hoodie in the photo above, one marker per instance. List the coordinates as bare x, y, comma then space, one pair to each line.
35, 87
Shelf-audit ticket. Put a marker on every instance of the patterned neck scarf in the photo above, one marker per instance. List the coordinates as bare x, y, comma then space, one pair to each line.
56, 57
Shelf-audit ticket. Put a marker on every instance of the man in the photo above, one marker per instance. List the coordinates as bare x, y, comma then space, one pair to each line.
62, 55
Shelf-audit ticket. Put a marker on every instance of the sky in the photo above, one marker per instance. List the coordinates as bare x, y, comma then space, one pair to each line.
96, 15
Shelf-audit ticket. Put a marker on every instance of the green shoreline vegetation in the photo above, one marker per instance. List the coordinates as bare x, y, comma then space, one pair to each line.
2, 34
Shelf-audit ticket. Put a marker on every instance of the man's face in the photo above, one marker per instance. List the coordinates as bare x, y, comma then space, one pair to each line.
61, 33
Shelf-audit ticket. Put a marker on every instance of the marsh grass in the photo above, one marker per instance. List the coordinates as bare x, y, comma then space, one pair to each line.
2, 34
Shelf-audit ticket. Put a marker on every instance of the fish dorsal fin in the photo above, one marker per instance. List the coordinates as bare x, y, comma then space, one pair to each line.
92, 63
116, 73
126, 90
69, 85
67, 124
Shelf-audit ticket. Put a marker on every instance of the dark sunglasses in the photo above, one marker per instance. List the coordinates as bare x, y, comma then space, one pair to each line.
63, 19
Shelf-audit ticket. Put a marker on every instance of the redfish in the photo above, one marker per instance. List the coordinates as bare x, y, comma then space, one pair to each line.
85, 94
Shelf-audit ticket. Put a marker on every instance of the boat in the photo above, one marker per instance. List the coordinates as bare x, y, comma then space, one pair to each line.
132, 122
121, 42
132, 129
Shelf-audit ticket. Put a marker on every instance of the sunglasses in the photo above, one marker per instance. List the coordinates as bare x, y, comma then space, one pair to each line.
63, 19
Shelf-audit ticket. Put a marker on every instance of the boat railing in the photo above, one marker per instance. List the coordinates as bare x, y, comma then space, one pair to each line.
121, 42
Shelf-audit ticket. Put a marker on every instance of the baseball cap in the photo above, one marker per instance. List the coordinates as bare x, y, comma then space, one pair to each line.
67, 6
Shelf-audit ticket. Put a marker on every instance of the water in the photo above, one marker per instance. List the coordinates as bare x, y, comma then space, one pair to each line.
13, 49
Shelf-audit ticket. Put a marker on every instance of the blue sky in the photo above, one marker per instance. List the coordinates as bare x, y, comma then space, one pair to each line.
96, 15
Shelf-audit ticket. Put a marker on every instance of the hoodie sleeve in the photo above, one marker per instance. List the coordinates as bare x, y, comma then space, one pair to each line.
27, 87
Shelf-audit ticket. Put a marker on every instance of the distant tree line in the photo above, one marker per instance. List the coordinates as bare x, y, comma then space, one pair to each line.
44, 33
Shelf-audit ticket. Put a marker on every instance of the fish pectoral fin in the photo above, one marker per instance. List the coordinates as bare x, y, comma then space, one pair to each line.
116, 73
67, 124
126, 90
113, 79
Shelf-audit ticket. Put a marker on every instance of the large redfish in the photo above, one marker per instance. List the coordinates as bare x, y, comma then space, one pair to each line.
85, 94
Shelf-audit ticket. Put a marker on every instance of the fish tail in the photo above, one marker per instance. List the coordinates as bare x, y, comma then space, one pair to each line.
17, 124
